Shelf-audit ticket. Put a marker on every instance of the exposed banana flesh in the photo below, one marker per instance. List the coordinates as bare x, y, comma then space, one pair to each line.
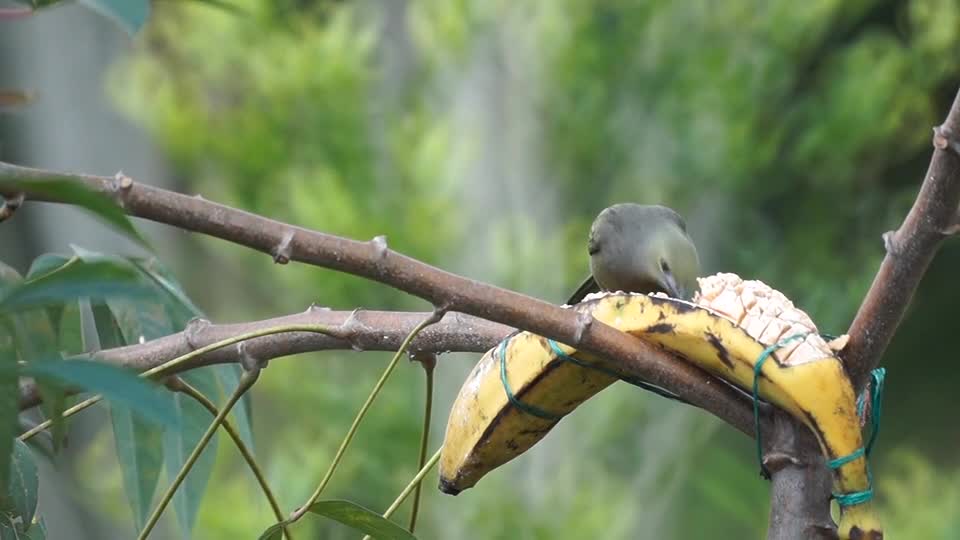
724, 331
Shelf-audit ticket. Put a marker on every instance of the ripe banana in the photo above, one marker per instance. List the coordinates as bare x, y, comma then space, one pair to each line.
520, 389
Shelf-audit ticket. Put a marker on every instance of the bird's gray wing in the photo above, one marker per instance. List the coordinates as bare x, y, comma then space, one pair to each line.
589, 286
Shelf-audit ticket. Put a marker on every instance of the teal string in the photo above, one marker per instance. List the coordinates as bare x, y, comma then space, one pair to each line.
874, 395
843, 460
757, 370
632, 380
525, 407
855, 498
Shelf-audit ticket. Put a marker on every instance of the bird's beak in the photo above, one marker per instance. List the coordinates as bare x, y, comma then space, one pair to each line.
670, 286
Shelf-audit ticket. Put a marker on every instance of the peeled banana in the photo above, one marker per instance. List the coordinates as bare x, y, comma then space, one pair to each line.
520, 389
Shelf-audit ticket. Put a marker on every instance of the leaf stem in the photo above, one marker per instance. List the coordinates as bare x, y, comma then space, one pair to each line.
413, 483
411, 486
246, 381
66, 414
183, 386
162, 368
428, 366
299, 512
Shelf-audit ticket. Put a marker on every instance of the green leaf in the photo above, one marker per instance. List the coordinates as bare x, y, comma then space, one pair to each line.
273, 532
43, 264
20, 498
74, 280
177, 445
8, 529
182, 310
140, 452
36, 342
77, 194
129, 14
37, 531
9, 401
139, 444
116, 384
357, 517
70, 330
46, 263
9, 406
8, 277
166, 310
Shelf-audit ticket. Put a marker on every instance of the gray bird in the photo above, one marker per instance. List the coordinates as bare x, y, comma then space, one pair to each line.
640, 248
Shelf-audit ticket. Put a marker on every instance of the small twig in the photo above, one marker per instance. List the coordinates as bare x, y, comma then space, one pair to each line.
428, 362
356, 330
415, 483
179, 385
297, 514
246, 381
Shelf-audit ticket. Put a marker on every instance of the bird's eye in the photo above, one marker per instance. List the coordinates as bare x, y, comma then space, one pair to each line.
664, 266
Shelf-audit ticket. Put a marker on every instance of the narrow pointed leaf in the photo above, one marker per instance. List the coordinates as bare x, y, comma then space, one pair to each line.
163, 312
139, 444
74, 193
273, 532
362, 519
94, 280
116, 384
139, 447
182, 310
20, 498
43, 264
9, 406
37, 531
38, 340
177, 445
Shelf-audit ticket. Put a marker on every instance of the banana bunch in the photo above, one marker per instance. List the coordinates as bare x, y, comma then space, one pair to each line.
520, 389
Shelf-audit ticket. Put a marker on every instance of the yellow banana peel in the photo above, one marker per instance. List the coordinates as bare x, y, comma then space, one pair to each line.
724, 330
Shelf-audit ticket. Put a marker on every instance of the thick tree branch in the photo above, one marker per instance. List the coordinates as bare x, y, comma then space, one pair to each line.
799, 483
910, 249
375, 261
358, 330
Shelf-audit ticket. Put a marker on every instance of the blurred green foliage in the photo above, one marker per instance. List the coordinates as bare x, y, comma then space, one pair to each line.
483, 136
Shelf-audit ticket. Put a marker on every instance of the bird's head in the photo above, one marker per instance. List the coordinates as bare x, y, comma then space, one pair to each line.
670, 258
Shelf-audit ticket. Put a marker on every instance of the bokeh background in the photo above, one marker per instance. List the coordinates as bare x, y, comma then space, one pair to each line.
483, 136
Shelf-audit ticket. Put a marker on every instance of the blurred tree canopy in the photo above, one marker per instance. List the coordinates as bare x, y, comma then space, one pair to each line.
484, 136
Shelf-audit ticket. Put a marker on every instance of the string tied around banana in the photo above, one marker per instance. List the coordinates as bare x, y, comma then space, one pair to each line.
523, 386
874, 393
